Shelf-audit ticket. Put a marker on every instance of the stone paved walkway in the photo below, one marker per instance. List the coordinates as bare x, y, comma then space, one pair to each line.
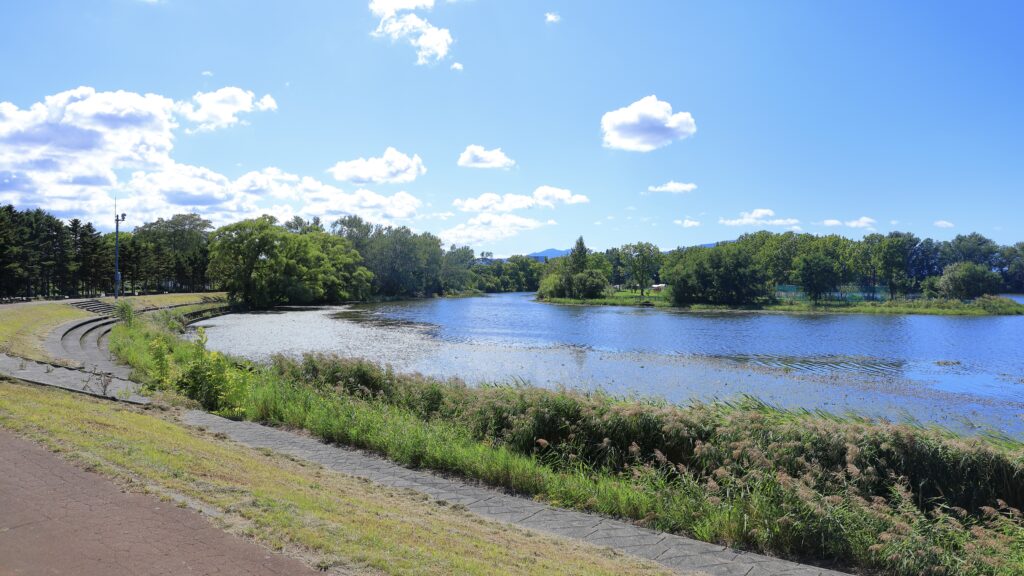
56, 518
673, 551
75, 380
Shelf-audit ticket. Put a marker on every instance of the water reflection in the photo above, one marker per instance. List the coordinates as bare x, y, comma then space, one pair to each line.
941, 369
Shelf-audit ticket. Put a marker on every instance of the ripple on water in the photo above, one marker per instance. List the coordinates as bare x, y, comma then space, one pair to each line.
938, 368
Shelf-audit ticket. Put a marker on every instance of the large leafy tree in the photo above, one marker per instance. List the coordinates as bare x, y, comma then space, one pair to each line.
403, 263
817, 272
642, 261
261, 264
726, 274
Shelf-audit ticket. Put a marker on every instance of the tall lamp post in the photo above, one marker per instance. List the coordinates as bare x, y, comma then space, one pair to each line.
117, 250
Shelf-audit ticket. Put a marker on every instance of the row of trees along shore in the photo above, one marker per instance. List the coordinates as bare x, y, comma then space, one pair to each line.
262, 262
760, 267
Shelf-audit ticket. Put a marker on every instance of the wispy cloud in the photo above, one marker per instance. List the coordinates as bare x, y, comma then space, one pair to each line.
862, 222
759, 217
673, 187
543, 196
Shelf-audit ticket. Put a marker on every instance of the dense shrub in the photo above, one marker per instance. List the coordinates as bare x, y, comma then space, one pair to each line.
723, 275
966, 280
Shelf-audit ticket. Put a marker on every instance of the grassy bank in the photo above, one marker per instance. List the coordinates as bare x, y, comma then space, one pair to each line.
620, 298
327, 518
164, 300
878, 497
24, 327
984, 306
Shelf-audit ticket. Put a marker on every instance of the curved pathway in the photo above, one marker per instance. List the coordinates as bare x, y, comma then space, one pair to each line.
84, 343
60, 519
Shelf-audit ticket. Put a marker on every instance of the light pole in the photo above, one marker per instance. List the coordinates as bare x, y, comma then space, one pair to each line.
117, 250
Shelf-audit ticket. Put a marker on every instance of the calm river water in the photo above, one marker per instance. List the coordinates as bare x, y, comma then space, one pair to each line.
963, 372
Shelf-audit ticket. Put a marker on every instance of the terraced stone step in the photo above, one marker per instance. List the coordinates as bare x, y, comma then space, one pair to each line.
95, 306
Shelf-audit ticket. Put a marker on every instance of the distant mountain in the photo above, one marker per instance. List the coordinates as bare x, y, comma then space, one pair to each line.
549, 253
556, 253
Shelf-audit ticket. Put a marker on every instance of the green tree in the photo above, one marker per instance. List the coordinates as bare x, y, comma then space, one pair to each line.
967, 280
817, 273
642, 260
725, 274
972, 247
577, 258
457, 269
245, 261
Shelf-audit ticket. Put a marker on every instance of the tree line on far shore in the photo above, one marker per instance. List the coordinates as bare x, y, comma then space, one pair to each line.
753, 269
262, 262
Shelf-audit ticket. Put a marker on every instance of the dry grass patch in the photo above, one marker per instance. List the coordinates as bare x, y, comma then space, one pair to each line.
328, 518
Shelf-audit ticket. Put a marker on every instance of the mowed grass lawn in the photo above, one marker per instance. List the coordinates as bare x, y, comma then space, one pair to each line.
24, 327
162, 300
327, 518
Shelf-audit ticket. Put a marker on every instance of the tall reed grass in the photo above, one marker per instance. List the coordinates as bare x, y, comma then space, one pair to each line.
857, 494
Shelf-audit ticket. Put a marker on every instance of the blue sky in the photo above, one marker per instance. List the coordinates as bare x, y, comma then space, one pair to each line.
829, 117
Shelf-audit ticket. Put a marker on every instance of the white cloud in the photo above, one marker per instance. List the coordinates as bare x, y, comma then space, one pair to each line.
759, 217
388, 8
545, 196
457, 66
207, 73
944, 224
475, 156
489, 227
645, 125
548, 195
220, 109
862, 222
74, 151
673, 187
686, 223
330, 204
431, 43
552, 17
393, 167
491, 202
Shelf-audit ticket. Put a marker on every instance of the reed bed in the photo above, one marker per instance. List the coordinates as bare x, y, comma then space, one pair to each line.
844, 491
